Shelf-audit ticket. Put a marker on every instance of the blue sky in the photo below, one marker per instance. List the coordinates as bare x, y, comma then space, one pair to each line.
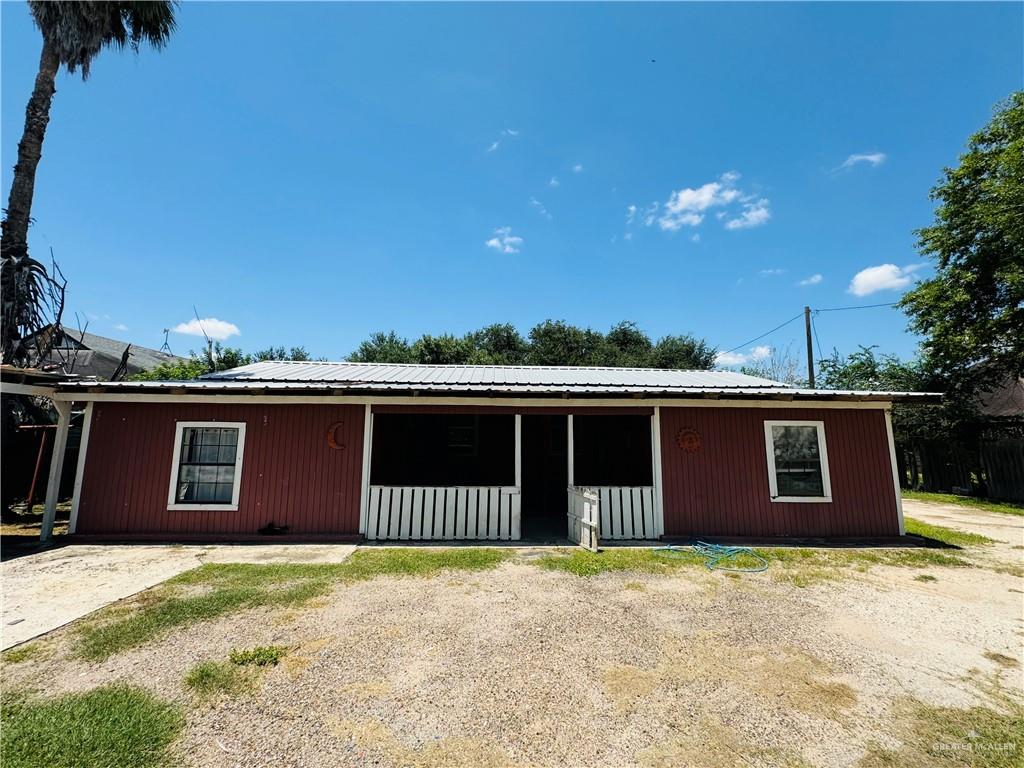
311, 173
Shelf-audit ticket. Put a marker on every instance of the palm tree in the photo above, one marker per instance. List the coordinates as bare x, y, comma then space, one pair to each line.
73, 35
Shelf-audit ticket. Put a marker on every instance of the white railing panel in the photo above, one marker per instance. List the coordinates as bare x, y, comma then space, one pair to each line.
425, 513
627, 512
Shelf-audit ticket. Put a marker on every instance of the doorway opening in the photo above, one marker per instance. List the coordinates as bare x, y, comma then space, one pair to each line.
545, 476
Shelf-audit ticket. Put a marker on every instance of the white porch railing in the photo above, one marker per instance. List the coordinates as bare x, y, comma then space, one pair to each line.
583, 517
627, 513
426, 513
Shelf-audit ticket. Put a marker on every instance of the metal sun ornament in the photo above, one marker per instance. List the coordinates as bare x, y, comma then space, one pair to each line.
688, 439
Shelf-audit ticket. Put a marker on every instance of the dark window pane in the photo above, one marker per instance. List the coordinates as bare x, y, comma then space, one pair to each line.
797, 461
206, 469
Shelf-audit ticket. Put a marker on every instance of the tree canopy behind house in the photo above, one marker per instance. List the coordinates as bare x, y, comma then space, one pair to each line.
552, 342
218, 358
971, 312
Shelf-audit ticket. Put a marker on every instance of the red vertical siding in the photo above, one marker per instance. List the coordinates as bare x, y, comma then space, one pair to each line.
722, 489
289, 472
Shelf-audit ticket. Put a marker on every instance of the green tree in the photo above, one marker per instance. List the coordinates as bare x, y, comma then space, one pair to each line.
972, 311
627, 346
383, 348
445, 349
682, 352
73, 35
498, 344
555, 342
281, 353
220, 358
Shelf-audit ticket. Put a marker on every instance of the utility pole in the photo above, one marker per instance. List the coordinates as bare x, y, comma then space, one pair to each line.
810, 348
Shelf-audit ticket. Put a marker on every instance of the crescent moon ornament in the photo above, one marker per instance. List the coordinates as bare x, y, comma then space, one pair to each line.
332, 435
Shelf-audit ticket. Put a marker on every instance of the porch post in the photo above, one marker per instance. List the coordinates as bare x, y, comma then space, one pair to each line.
76, 496
519, 453
570, 451
364, 483
659, 494
895, 471
60, 442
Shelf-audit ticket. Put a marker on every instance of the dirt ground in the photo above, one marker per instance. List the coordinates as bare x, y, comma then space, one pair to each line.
522, 666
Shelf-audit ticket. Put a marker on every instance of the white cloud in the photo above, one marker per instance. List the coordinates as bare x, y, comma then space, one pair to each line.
755, 213
885, 277
120, 327
219, 330
504, 241
554, 182
628, 236
812, 280
539, 206
874, 159
696, 237
509, 132
771, 272
688, 207
494, 146
578, 168
739, 358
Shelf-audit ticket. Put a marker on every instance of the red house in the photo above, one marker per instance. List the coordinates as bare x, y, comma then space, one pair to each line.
414, 452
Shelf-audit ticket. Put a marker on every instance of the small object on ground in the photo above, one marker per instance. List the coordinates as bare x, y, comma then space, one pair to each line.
716, 554
273, 530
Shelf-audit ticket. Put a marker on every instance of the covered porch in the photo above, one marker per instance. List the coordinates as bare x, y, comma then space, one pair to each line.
437, 473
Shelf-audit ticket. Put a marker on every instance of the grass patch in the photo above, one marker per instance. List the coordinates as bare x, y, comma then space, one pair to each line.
412, 561
110, 726
217, 589
23, 652
1003, 507
262, 656
583, 563
209, 678
950, 536
800, 566
945, 737
925, 577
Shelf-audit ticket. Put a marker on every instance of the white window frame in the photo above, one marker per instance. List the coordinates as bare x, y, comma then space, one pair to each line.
179, 432
773, 480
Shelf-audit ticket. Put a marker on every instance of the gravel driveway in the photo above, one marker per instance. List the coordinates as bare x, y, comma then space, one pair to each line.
43, 591
521, 666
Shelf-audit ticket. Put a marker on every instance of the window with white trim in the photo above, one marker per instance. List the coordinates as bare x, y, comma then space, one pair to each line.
797, 461
207, 468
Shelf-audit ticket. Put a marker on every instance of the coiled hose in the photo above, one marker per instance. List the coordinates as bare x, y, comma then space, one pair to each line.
718, 556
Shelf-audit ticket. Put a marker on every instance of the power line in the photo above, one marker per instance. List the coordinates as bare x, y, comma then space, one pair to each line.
859, 306
773, 330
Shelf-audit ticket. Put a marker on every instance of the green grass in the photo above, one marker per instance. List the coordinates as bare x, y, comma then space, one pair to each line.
110, 726
949, 536
925, 577
21, 653
214, 590
582, 563
261, 656
1004, 507
945, 737
209, 678
796, 565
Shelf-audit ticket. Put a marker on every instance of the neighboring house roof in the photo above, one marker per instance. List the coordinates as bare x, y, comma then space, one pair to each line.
491, 380
99, 356
1006, 400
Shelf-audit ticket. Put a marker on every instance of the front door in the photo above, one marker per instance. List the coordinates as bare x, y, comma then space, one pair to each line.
545, 478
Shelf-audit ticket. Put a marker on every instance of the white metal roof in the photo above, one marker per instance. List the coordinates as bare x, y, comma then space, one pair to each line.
409, 376
298, 378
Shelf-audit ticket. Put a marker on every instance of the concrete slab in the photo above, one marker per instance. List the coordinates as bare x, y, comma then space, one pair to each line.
44, 591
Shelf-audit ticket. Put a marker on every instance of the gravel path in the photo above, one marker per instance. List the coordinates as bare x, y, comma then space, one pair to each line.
525, 667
